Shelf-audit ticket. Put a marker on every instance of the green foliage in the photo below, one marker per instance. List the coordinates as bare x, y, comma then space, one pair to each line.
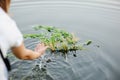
88, 42
57, 39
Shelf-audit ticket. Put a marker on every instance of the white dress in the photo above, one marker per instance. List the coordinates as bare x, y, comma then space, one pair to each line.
10, 36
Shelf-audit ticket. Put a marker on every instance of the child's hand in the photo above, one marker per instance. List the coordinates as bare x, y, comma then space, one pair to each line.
40, 48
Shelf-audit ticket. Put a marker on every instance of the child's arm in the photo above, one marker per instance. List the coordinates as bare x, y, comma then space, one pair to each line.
26, 54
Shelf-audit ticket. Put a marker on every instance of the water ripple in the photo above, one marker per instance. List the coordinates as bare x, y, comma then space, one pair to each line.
98, 20
100, 4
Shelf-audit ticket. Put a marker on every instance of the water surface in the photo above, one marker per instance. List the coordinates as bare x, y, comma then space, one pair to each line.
97, 20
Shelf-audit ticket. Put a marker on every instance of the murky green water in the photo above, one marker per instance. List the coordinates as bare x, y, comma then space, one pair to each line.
96, 20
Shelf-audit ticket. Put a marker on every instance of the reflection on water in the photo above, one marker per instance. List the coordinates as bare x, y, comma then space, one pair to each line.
96, 20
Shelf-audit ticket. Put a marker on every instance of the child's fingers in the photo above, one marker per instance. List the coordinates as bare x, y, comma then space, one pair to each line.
41, 47
37, 47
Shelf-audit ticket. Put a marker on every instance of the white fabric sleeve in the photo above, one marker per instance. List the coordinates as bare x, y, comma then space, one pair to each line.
15, 37
10, 35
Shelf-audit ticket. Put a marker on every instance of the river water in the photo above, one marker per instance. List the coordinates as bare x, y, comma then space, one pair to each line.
97, 20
